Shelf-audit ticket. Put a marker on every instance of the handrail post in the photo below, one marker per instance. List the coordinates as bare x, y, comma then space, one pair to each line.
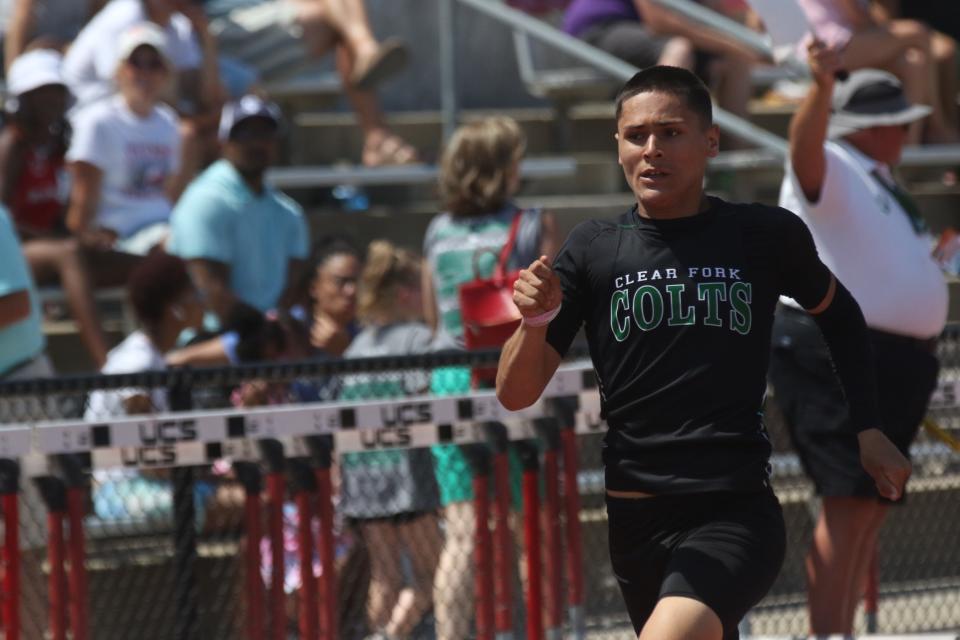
446, 14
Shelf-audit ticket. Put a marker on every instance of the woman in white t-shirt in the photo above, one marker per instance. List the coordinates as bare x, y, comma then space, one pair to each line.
125, 155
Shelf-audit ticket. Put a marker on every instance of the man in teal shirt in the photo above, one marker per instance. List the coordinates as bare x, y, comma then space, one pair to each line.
21, 331
243, 240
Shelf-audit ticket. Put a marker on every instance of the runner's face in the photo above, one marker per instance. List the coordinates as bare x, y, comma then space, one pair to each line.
663, 147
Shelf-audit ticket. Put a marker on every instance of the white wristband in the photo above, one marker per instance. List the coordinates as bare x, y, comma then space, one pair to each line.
543, 318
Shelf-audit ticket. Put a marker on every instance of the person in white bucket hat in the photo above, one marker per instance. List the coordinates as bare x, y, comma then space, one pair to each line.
845, 140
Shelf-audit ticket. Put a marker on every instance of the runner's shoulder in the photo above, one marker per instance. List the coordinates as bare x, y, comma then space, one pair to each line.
765, 218
588, 232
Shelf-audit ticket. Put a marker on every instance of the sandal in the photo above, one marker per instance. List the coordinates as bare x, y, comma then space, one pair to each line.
387, 149
390, 58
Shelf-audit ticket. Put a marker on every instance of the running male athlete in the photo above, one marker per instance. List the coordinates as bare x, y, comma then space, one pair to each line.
677, 296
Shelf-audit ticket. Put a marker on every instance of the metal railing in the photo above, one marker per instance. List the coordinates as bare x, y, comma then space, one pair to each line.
596, 58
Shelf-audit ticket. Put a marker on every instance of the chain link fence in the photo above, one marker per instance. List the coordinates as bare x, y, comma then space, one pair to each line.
186, 535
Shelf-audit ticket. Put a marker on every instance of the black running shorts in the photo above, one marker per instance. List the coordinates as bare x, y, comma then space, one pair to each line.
722, 549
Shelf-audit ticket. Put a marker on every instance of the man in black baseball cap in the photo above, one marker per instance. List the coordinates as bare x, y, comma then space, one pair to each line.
243, 240
845, 139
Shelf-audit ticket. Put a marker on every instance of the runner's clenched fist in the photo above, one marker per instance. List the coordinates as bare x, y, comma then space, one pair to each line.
537, 289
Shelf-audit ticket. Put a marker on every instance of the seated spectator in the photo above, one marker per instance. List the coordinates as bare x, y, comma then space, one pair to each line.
332, 277
165, 303
32, 184
57, 22
195, 93
943, 46
362, 62
243, 240
90, 63
392, 496
21, 334
125, 155
903, 47
645, 33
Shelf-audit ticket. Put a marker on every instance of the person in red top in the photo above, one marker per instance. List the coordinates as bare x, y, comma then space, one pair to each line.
33, 143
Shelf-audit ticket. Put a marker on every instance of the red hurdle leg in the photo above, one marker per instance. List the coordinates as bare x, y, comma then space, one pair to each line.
531, 540
305, 485
57, 583
9, 490
276, 486
553, 568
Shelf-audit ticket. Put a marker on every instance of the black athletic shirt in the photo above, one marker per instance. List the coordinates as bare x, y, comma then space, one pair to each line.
678, 316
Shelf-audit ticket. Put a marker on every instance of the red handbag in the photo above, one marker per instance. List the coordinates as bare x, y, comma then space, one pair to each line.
486, 304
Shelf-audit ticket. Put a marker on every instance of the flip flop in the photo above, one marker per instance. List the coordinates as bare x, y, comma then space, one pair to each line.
391, 57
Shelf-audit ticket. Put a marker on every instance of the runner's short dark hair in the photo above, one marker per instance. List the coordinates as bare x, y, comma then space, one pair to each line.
673, 80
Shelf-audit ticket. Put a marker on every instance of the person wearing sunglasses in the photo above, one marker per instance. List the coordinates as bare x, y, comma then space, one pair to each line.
125, 157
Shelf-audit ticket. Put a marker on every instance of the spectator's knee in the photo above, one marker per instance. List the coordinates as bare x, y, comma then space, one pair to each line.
916, 32
679, 52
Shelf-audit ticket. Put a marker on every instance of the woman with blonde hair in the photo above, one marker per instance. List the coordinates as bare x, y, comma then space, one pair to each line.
392, 495
479, 178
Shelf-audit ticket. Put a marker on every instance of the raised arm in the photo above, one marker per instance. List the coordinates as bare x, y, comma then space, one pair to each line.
527, 361
18, 30
808, 128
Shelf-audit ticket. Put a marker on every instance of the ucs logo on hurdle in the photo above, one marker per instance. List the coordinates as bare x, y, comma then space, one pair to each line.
158, 439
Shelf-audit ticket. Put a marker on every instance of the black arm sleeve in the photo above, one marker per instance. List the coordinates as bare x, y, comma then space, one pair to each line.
805, 278
845, 333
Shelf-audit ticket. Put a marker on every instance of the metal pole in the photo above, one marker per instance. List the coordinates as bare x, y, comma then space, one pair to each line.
321, 454
483, 553
615, 67
872, 596
184, 532
446, 17
552, 537
502, 536
574, 541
